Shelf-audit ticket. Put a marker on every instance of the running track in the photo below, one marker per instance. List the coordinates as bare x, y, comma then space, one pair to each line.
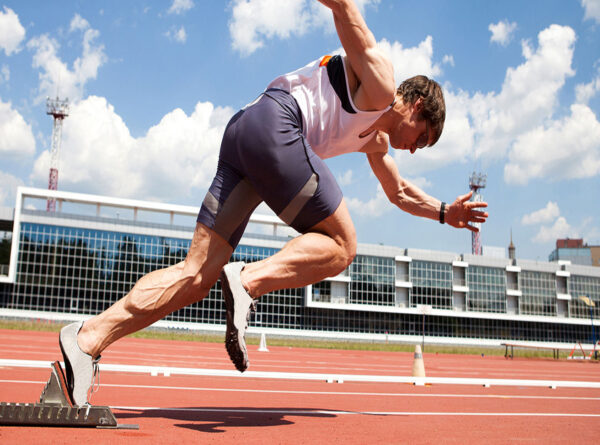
181, 409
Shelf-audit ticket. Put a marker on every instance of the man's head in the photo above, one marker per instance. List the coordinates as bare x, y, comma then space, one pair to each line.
433, 108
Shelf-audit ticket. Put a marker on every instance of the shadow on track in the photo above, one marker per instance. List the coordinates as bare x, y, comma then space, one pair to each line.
218, 419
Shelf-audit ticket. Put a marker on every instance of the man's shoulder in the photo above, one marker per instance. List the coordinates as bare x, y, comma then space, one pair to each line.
377, 143
376, 89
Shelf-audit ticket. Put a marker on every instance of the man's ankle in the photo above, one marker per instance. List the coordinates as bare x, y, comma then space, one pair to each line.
245, 284
84, 341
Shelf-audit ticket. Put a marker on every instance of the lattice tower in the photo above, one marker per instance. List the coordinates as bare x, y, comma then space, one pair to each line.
477, 181
58, 109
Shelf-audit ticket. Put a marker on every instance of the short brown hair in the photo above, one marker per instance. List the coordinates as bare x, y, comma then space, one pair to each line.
434, 106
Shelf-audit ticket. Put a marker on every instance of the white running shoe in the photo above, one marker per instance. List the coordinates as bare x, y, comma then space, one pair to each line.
81, 368
238, 305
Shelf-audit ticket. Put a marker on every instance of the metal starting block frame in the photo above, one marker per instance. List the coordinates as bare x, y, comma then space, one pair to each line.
55, 408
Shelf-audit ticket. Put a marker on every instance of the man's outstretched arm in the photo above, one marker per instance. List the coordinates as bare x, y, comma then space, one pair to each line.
410, 198
373, 69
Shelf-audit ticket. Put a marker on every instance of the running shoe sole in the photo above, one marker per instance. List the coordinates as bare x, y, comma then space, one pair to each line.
238, 305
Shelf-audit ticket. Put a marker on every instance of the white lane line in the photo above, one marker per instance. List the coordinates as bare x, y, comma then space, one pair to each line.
173, 360
309, 412
328, 377
275, 364
327, 393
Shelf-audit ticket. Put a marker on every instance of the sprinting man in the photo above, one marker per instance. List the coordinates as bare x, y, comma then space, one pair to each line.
273, 151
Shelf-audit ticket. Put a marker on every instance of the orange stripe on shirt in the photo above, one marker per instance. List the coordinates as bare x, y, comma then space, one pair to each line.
325, 61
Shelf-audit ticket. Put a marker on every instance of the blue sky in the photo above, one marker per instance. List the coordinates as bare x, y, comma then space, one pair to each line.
153, 83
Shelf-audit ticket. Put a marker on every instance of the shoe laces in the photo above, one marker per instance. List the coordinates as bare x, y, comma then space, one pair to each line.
95, 386
252, 308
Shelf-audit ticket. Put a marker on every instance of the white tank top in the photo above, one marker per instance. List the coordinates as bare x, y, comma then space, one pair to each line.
332, 123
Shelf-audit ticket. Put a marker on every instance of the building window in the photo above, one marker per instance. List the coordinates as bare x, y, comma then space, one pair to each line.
539, 293
581, 286
321, 292
373, 280
432, 284
487, 289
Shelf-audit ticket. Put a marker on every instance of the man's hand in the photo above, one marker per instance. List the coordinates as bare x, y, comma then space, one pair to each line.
462, 212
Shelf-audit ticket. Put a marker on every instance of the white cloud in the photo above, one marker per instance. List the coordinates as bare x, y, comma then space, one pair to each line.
502, 32
55, 76
78, 23
180, 6
16, 136
592, 10
529, 93
591, 232
177, 35
374, 207
448, 59
12, 32
8, 188
175, 158
545, 215
552, 226
254, 21
345, 178
422, 182
411, 61
584, 92
485, 126
560, 229
4, 74
566, 149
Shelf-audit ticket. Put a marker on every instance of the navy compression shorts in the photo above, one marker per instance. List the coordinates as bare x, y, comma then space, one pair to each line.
265, 157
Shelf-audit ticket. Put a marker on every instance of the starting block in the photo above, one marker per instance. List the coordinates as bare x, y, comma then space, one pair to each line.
55, 408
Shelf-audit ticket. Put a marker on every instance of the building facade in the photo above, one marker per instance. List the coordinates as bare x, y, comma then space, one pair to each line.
575, 251
79, 260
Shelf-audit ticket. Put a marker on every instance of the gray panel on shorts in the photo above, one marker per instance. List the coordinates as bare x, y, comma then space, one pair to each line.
293, 208
242, 200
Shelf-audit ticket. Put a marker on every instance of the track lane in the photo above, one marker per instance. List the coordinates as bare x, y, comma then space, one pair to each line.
182, 409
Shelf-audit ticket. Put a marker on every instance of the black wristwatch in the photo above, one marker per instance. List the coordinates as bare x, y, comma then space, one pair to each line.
442, 212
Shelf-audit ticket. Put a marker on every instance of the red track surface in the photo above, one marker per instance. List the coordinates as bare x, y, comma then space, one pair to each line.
193, 409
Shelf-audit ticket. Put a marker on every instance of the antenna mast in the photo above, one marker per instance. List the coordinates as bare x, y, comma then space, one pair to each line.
58, 109
477, 181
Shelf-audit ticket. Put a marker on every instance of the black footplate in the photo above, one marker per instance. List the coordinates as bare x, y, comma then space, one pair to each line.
56, 409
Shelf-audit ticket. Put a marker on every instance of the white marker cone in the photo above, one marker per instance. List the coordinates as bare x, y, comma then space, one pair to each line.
418, 364
263, 343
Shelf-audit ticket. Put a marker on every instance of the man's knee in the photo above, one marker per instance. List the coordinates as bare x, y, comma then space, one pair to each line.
340, 228
195, 284
201, 285
351, 251
348, 248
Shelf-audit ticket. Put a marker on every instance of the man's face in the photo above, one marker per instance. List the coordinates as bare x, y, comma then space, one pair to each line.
409, 132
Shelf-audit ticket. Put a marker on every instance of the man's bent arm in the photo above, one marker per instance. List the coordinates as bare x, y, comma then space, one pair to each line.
410, 198
401, 192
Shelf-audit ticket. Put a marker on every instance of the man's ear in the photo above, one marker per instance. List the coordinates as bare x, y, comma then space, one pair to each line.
418, 105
